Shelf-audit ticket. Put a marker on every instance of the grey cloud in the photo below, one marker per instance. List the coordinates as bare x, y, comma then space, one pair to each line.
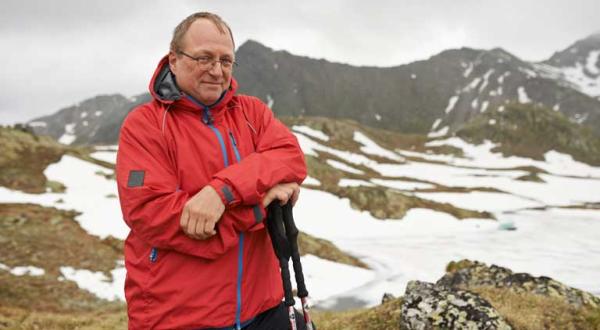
56, 53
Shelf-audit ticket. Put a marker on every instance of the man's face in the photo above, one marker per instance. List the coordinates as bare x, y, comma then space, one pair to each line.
205, 84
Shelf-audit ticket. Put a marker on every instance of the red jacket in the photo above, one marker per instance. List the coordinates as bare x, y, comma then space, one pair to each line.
169, 149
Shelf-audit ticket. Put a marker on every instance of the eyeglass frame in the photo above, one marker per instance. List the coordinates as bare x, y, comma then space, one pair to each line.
212, 62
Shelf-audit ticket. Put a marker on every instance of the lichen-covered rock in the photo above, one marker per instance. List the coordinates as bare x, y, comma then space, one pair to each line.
427, 306
467, 274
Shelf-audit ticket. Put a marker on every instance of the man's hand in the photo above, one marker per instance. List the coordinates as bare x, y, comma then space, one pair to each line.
201, 214
282, 192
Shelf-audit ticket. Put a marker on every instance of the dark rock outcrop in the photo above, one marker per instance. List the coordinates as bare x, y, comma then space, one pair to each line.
468, 274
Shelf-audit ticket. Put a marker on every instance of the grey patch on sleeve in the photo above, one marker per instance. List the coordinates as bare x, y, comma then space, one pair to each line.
227, 193
136, 179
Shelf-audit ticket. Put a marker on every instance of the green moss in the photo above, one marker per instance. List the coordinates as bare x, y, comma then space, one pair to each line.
530, 131
384, 316
24, 158
324, 249
55, 186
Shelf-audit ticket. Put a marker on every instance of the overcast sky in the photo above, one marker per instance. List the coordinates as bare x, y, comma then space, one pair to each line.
57, 53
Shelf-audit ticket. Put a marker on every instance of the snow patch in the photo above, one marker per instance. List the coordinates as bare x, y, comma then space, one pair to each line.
270, 101
23, 270
484, 106
504, 75
472, 85
575, 77
468, 71
441, 132
530, 73
319, 274
377, 117
310, 132
69, 136
592, 62
354, 183
107, 156
523, 98
310, 147
436, 124
37, 124
312, 181
372, 148
402, 185
98, 113
486, 77
413, 76
343, 167
83, 114
451, 103
97, 283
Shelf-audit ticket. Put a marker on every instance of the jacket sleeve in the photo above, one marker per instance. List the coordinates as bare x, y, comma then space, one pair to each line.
277, 159
150, 199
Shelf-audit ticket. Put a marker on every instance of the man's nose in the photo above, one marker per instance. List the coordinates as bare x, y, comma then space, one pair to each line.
216, 69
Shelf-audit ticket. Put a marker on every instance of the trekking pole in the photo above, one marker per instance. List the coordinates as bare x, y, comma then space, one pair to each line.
291, 232
283, 252
284, 236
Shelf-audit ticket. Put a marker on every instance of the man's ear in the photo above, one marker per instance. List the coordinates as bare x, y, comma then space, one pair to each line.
172, 61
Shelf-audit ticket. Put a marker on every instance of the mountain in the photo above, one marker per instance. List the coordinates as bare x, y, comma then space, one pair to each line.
578, 66
94, 121
434, 96
445, 90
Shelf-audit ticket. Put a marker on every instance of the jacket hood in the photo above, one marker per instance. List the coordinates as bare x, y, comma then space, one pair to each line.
163, 88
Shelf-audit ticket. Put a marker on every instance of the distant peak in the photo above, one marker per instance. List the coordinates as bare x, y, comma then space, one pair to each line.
253, 44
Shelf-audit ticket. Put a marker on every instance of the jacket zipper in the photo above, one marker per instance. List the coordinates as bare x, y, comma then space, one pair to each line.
238, 310
208, 120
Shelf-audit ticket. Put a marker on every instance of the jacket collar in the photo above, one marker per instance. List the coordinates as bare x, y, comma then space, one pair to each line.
164, 89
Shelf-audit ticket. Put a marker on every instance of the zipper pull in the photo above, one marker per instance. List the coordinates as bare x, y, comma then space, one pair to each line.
153, 254
232, 139
207, 118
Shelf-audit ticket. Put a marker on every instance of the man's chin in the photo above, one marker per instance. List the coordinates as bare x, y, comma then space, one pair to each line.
210, 97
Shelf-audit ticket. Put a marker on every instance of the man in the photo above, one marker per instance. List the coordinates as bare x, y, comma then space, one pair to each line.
196, 168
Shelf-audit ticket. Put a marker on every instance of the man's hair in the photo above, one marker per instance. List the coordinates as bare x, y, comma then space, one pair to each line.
184, 26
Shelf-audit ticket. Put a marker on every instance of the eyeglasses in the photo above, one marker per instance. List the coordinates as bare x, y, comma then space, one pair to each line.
208, 62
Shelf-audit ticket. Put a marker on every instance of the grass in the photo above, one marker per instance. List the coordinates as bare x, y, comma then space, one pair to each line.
530, 131
48, 238
326, 250
531, 312
382, 317
24, 158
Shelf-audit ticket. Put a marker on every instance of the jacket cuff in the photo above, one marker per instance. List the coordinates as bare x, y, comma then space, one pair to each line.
228, 194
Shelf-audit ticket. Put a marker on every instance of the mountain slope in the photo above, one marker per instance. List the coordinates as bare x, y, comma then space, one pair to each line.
531, 131
445, 90
434, 96
577, 66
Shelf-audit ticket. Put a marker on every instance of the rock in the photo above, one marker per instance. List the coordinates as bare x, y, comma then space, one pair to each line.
427, 306
468, 274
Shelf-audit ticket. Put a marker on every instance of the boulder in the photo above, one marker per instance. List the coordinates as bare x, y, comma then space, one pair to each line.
467, 274
427, 306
